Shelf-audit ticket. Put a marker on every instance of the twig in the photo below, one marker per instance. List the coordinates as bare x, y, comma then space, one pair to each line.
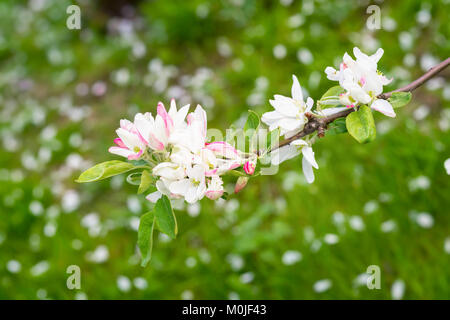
320, 124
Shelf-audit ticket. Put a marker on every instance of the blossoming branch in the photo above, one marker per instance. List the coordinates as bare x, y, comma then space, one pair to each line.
170, 157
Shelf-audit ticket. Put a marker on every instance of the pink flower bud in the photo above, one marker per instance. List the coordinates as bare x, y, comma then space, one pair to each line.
240, 184
249, 167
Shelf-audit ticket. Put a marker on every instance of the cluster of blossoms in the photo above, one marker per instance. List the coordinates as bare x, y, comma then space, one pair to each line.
189, 167
362, 83
174, 142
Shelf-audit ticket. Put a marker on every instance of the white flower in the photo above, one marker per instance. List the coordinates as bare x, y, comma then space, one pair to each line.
294, 149
130, 143
192, 188
215, 188
362, 81
193, 136
289, 114
169, 171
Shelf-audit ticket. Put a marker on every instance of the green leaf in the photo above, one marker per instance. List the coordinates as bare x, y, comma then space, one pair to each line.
146, 181
105, 170
134, 178
331, 97
338, 126
399, 99
252, 121
145, 237
360, 125
165, 217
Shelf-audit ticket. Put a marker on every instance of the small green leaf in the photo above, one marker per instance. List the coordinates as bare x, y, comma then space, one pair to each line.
360, 125
331, 97
146, 181
252, 121
399, 99
145, 237
338, 126
105, 170
165, 217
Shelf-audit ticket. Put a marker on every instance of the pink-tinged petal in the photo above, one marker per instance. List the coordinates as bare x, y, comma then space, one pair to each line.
249, 167
123, 152
135, 156
223, 149
240, 184
210, 173
154, 143
168, 122
234, 165
214, 195
119, 142
384, 107
126, 124
189, 118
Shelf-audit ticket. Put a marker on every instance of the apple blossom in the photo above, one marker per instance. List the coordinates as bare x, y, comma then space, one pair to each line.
193, 187
362, 81
289, 114
215, 188
294, 149
130, 143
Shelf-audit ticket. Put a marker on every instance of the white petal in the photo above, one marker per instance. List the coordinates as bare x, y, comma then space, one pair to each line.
309, 104
129, 139
180, 187
191, 195
284, 153
120, 151
290, 124
285, 106
308, 154
296, 89
384, 107
307, 170
377, 56
154, 196
332, 74
271, 116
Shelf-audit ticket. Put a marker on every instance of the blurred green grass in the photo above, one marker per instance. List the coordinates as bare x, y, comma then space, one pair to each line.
219, 54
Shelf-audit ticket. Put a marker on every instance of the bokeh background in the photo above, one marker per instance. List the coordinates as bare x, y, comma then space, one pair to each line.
63, 92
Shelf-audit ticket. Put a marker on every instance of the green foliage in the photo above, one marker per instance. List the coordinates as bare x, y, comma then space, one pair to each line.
330, 98
338, 126
252, 122
400, 99
105, 170
146, 181
165, 217
361, 125
145, 237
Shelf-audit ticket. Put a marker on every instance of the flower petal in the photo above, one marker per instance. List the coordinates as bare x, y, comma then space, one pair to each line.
307, 170
308, 154
296, 90
384, 107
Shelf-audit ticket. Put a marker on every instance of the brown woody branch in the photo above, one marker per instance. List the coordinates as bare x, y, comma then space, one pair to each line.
320, 124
